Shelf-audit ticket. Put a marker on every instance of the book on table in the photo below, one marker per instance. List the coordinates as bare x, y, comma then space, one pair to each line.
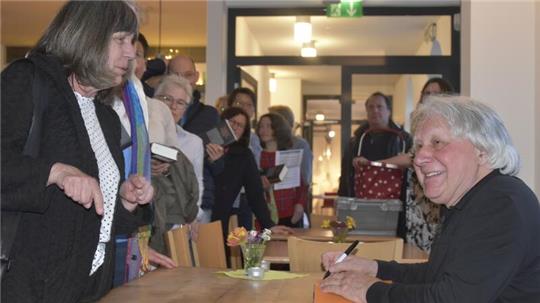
222, 134
163, 153
275, 174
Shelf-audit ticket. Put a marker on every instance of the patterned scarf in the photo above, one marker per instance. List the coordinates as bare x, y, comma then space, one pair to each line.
140, 144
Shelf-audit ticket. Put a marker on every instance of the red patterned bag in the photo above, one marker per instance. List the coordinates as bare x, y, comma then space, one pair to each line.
378, 180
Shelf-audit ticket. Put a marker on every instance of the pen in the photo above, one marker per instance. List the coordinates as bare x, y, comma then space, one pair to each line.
343, 256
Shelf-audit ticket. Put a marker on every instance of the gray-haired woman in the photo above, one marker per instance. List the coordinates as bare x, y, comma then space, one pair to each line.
70, 196
488, 249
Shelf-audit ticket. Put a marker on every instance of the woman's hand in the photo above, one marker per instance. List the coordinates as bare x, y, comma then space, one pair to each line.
357, 161
136, 190
214, 151
159, 168
265, 183
349, 284
159, 259
281, 230
77, 185
298, 213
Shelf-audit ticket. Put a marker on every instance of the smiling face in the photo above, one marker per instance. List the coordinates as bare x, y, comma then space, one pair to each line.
378, 114
446, 166
121, 51
265, 131
238, 124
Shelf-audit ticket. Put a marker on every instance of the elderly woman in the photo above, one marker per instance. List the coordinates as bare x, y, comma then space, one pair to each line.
175, 92
69, 193
488, 248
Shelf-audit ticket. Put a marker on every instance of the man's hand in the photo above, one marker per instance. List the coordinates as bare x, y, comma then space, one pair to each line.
351, 263
349, 284
80, 187
136, 190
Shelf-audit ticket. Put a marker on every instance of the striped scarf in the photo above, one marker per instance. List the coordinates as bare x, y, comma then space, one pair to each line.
140, 144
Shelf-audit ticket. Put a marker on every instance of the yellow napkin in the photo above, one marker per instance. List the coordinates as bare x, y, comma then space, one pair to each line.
269, 275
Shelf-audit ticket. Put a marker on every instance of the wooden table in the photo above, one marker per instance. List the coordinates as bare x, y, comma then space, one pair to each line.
276, 249
203, 285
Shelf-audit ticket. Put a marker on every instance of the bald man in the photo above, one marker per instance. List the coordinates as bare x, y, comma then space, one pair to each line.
199, 118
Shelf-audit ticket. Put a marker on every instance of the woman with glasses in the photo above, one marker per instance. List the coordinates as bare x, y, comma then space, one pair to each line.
175, 92
240, 170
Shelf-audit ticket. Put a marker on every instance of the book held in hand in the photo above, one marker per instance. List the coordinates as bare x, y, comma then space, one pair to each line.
222, 134
276, 173
163, 153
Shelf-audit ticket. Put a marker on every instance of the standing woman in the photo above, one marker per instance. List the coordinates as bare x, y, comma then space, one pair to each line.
275, 134
239, 170
423, 217
70, 196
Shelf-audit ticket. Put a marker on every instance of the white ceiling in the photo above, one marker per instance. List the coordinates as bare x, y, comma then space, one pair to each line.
183, 22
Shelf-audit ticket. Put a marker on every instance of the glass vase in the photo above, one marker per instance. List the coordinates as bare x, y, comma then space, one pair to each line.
340, 234
253, 255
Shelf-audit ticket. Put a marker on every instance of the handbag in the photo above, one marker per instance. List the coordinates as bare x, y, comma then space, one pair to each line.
378, 180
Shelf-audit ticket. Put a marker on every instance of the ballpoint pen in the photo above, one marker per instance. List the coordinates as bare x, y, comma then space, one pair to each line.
343, 256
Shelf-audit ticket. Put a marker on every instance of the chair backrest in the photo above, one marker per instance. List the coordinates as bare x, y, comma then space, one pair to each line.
235, 252
305, 255
208, 251
177, 243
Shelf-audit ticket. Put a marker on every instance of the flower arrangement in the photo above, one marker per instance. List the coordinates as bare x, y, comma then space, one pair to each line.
240, 236
340, 228
252, 244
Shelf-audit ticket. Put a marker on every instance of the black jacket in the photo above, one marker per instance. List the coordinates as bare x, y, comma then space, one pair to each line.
239, 170
488, 250
393, 147
57, 238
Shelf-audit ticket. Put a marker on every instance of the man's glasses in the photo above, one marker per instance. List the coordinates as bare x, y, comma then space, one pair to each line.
170, 101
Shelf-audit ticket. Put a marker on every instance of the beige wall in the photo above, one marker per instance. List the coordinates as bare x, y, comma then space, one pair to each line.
537, 103
289, 92
498, 68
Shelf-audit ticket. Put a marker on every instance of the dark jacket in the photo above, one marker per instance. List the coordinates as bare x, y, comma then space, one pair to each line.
393, 147
488, 250
56, 238
239, 170
198, 119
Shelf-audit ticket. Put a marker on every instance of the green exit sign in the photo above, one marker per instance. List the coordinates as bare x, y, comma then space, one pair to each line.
345, 9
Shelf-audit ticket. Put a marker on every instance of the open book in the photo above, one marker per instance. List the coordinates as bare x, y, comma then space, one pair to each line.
276, 173
163, 153
222, 134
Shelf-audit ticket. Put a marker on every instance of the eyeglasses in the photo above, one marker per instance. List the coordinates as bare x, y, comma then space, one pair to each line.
243, 104
236, 124
170, 101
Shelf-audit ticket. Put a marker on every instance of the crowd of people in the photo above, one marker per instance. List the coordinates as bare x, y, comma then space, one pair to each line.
80, 112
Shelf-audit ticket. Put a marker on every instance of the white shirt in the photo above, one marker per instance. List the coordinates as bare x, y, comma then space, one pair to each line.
192, 146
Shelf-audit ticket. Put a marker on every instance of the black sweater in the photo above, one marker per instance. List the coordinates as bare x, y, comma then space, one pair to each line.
488, 251
56, 238
239, 170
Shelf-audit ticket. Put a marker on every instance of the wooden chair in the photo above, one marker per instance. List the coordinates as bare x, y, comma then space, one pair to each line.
177, 242
208, 251
305, 255
236, 253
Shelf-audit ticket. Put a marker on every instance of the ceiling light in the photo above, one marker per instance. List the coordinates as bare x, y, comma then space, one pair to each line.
331, 134
308, 49
302, 29
319, 117
272, 83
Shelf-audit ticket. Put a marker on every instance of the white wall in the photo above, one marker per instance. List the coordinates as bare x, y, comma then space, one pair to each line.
216, 54
537, 103
498, 68
289, 92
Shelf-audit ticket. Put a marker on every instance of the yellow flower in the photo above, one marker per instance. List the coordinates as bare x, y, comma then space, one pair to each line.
325, 223
351, 224
237, 237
